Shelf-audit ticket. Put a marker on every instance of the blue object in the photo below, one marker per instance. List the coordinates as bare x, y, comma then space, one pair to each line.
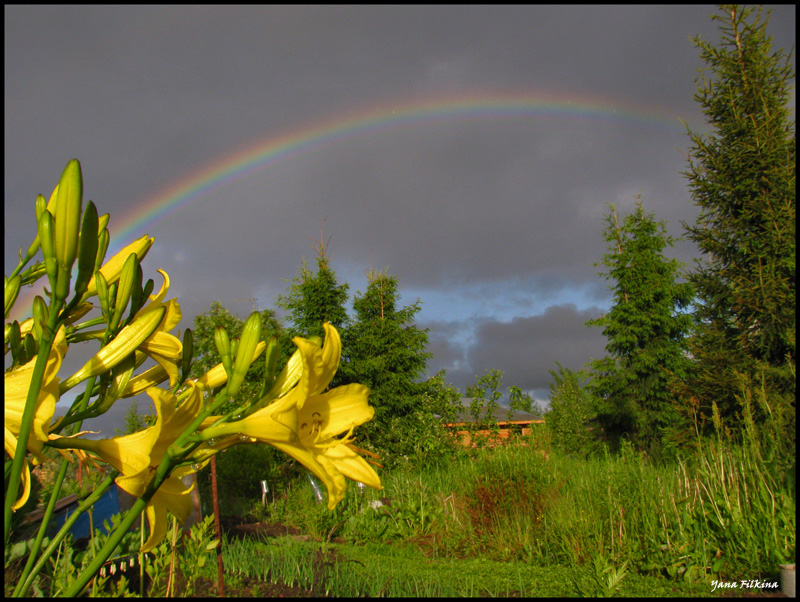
106, 507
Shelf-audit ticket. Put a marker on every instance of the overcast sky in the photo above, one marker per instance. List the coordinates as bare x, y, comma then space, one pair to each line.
492, 219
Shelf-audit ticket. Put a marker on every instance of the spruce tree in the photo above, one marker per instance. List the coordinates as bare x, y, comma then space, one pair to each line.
742, 177
645, 331
386, 352
315, 298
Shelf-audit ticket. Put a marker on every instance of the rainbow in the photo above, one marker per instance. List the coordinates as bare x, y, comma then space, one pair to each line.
291, 144
375, 120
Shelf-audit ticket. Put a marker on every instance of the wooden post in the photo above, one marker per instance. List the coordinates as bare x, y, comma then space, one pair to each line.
220, 568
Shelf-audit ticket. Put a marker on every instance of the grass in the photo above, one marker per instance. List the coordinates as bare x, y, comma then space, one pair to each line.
375, 570
620, 523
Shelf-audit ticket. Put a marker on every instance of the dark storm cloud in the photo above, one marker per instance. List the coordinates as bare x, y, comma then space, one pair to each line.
494, 224
525, 349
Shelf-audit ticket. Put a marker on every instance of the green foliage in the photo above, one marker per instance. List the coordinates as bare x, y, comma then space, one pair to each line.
483, 409
572, 409
386, 352
742, 177
606, 579
621, 522
189, 554
240, 470
645, 331
206, 355
134, 421
316, 298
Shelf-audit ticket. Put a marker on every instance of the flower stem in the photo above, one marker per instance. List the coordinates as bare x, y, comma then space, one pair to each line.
116, 536
28, 414
22, 587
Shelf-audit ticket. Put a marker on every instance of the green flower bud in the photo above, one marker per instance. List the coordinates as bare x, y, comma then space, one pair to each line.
127, 279
147, 290
47, 239
13, 339
251, 334
41, 205
29, 348
223, 344
102, 222
102, 292
270, 364
137, 298
68, 215
188, 351
87, 249
103, 240
39, 317
10, 292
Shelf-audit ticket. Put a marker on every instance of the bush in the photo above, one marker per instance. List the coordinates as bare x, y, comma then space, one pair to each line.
572, 408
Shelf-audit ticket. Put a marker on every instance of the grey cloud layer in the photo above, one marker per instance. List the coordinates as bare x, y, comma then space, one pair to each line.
497, 221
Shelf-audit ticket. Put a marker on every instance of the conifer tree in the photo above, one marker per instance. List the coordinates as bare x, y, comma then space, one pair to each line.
742, 177
645, 329
386, 352
315, 298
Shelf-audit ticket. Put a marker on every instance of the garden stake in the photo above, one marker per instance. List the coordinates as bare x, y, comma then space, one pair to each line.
220, 584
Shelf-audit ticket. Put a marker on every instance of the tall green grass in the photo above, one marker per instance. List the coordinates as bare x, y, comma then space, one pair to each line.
722, 511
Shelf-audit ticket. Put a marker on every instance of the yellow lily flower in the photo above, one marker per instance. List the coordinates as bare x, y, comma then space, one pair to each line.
306, 423
166, 349
17, 384
141, 382
146, 332
138, 455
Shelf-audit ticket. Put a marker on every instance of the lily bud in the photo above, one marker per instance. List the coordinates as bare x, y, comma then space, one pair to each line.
270, 363
251, 333
103, 240
127, 280
102, 222
14, 340
223, 344
39, 316
137, 301
102, 293
29, 348
188, 351
87, 249
113, 267
41, 205
68, 215
48, 240
10, 292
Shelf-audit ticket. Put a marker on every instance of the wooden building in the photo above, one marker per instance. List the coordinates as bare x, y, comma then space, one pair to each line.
509, 422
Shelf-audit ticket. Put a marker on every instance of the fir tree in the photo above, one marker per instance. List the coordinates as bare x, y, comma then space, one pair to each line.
742, 177
315, 298
645, 329
386, 352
